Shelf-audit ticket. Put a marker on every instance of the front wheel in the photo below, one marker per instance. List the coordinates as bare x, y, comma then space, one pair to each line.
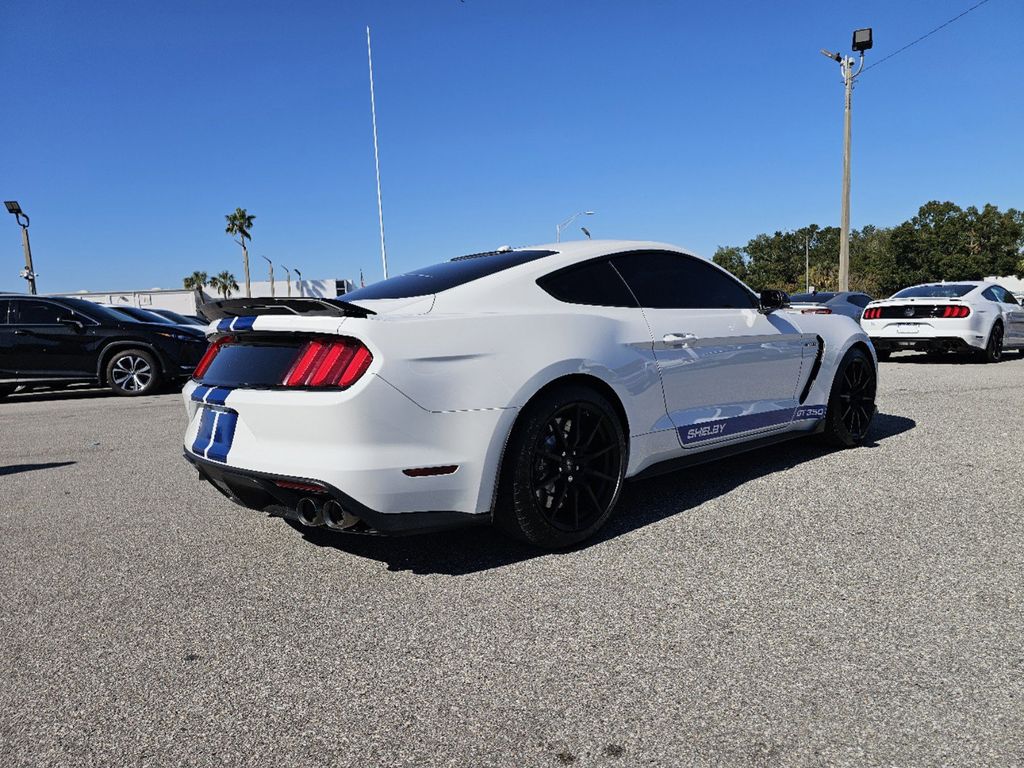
563, 468
851, 403
132, 372
993, 351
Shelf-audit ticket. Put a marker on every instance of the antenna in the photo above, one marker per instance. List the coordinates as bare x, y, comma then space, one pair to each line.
376, 157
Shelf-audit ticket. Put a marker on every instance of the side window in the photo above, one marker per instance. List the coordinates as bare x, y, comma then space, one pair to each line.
666, 280
1006, 296
860, 300
4, 304
29, 312
990, 294
595, 283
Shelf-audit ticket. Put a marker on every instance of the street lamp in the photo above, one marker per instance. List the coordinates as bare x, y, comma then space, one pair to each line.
28, 272
271, 275
567, 222
288, 280
298, 283
861, 42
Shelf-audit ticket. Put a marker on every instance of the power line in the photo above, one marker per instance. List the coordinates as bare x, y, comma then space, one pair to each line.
922, 37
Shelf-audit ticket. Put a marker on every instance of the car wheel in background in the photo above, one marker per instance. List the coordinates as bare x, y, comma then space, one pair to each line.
993, 351
7, 389
851, 403
132, 372
563, 468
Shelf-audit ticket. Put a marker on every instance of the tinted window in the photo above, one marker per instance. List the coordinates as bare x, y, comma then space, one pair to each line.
859, 299
134, 313
812, 298
664, 280
595, 283
4, 304
447, 274
990, 294
30, 312
1009, 298
936, 290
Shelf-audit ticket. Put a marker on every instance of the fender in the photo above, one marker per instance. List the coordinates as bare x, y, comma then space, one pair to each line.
109, 349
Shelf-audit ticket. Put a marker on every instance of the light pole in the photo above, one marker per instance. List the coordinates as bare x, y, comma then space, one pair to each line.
861, 42
288, 281
298, 283
271, 275
29, 271
567, 222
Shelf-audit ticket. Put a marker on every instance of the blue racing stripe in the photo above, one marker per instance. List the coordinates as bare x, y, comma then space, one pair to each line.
217, 396
224, 433
243, 323
199, 393
225, 324
205, 432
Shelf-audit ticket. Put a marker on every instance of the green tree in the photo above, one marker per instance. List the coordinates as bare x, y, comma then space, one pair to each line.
224, 283
732, 259
239, 225
196, 281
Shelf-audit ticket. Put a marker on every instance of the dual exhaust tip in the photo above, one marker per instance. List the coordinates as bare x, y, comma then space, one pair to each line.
330, 514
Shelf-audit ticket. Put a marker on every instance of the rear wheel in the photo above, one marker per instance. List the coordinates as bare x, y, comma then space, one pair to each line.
993, 351
851, 404
132, 372
563, 470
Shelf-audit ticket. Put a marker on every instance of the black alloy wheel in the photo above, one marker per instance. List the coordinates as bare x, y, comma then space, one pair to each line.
994, 349
563, 469
851, 405
132, 372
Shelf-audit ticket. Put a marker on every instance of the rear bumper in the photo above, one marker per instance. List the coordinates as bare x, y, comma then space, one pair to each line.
260, 491
926, 344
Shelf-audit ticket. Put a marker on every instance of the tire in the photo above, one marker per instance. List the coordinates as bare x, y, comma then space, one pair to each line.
563, 468
7, 389
993, 351
882, 354
133, 372
851, 403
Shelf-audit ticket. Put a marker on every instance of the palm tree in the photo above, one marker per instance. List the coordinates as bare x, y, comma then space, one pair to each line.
239, 224
224, 283
196, 281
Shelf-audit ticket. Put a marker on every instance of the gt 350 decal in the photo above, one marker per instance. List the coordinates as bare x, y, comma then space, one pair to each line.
710, 430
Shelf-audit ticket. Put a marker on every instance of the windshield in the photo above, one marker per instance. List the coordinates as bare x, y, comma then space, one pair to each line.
934, 291
141, 315
174, 316
93, 310
812, 298
447, 274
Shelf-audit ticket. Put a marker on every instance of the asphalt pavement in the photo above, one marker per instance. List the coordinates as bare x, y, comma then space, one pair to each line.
793, 606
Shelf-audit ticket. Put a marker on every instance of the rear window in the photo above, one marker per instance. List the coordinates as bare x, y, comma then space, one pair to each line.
595, 283
447, 274
812, 298
934, 291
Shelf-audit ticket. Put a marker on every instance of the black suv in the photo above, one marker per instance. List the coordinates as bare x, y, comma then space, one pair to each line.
55, 341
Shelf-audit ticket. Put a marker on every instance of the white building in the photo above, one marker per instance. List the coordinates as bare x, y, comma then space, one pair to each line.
186, 302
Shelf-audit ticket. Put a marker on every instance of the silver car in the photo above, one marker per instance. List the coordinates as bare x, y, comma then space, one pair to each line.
849, 303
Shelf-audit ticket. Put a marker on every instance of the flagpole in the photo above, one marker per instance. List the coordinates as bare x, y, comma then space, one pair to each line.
376, 158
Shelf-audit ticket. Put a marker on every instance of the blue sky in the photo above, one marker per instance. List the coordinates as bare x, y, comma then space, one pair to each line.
131, 128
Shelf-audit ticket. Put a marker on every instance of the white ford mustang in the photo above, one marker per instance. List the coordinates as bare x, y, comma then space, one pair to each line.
965, 316
519, 387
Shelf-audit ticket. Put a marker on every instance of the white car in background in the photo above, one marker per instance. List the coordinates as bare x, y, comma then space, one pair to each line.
519, 387
966, 316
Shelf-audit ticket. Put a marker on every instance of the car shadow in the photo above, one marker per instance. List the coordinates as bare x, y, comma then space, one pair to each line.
923, 358
14, 469
70, 393
461, 552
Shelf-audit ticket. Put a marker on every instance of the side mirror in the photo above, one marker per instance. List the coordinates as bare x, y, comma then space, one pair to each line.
77, 324
772, 300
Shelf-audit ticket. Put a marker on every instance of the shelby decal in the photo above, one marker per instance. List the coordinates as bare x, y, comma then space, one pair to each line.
709, 430
236, 324
210, 395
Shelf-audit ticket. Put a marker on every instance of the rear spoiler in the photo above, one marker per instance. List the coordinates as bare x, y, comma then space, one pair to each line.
216, 310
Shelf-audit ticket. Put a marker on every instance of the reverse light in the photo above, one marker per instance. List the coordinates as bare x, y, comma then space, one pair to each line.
955, 310
209, 354
329, 363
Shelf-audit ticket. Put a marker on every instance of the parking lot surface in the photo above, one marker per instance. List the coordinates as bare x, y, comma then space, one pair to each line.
792, 606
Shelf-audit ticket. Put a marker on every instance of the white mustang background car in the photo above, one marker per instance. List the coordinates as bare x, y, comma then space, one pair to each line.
965, 316
519, 387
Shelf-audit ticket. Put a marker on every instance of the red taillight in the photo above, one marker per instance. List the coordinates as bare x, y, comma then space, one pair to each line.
207, 358
329, 363
872, 314
954, 310
817, 311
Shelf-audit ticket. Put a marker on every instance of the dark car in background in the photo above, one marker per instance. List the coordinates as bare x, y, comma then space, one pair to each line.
52, 342
849, 303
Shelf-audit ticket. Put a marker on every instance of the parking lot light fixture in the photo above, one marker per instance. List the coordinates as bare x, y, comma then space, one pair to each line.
567, 222
288, 279
271, 275
28, 272
298, 283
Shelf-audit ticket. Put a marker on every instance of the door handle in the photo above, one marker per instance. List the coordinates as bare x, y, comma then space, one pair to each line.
21, 333
678, 339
